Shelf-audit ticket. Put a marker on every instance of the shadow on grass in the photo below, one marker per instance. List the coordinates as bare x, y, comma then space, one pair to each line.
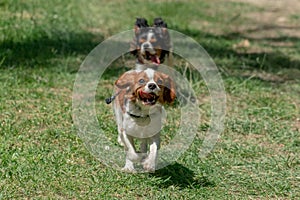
272, 60
40, 50
267, 27
180, 176
43, 48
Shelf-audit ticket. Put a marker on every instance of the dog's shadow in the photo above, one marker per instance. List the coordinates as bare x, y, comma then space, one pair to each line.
179, 176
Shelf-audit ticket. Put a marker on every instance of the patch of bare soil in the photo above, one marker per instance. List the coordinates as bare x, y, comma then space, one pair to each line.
276, 18
271, 28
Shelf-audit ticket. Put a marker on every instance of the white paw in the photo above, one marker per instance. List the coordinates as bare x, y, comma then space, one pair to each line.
129, 169
149, 165
120, 141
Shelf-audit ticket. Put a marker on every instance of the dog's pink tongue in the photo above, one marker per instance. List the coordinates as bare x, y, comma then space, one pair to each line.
145, 94
155, 59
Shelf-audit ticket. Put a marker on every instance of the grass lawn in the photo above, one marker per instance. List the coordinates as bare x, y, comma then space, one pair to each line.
255, 45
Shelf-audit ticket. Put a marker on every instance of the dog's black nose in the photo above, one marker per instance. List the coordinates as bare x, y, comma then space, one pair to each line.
151, 86
146, 46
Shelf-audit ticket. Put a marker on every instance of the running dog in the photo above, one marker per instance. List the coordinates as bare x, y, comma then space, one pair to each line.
139, 110
151, 44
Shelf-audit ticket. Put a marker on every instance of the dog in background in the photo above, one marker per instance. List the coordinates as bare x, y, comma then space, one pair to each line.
139, 112
151, 44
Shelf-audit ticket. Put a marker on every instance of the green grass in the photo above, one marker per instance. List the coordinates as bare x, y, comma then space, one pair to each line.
43, 43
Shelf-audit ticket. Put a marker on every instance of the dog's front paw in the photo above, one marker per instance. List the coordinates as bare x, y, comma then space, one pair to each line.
149, 165
120, 141
128, 169
129, 166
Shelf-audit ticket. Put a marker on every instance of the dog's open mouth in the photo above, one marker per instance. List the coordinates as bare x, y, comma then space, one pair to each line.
153, 57
148, 98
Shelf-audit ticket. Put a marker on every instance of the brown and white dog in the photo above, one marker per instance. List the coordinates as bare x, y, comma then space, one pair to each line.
151, 44
139, 112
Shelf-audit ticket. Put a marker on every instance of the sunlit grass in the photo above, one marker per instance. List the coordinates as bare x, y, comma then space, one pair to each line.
43, 43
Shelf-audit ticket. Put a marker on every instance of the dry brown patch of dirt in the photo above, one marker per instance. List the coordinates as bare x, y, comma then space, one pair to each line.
273, 21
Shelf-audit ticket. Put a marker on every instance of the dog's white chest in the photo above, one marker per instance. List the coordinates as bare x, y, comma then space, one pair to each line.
142, 127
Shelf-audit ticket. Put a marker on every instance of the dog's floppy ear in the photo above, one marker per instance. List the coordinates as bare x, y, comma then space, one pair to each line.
161, 27
140, 23
169, 91
126, 80
159, 22
133, 48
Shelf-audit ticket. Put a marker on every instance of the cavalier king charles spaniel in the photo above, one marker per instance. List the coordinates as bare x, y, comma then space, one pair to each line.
138, 106
151, 44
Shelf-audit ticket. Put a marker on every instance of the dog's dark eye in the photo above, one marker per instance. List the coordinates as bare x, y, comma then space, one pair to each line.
159, 82
153, 39
142, 40
141, 81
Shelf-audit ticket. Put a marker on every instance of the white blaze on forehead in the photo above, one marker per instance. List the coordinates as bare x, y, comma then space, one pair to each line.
149, 36
150, 73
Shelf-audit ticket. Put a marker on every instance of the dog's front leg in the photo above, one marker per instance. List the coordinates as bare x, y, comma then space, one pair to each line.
131, 155
150, 162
